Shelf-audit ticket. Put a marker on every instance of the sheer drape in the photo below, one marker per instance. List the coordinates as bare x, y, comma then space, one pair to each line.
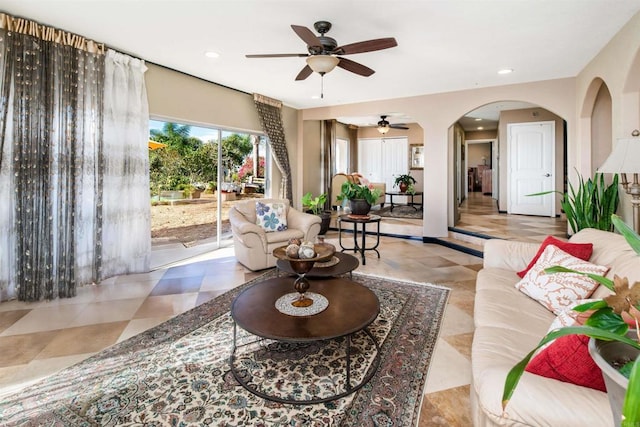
74, 179
50, 136
270, 113
126, 240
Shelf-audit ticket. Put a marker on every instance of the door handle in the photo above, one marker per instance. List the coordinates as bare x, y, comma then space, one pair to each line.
547, 175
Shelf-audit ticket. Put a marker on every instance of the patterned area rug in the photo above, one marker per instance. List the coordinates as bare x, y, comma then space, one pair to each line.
177, 374
399, 211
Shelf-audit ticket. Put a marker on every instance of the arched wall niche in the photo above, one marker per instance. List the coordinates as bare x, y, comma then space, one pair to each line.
601, 126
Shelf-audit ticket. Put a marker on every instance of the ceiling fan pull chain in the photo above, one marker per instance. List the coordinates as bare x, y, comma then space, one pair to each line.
322, 85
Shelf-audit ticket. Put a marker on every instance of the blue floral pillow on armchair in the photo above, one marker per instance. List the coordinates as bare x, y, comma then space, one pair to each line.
271, 216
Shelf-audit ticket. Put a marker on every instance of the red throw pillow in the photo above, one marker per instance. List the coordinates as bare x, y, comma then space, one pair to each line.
578, 250
567, 359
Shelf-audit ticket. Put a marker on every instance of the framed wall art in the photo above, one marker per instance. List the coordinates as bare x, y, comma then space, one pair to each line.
416, 156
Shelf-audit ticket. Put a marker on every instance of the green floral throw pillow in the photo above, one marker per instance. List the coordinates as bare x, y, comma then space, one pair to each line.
271, 216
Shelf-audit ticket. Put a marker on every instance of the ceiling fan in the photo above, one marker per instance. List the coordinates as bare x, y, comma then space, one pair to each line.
325, 54
384, 125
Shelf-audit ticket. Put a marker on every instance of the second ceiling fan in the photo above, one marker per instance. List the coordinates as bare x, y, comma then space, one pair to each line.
325, 54
384, 126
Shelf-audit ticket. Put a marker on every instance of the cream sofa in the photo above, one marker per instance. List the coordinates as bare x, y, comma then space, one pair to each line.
253, 246
340, 178
509, 324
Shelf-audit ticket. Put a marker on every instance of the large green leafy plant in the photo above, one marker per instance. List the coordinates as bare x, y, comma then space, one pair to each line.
609, 320
362, 190
314, 204
590, 204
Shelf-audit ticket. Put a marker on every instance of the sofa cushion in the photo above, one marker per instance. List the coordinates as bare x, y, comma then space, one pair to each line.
578, 250
559, 290
567, 359
271, 216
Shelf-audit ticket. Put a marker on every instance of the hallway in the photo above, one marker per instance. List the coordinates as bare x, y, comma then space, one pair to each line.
479, 215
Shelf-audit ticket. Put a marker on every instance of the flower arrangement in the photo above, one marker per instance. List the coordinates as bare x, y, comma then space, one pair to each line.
360, 189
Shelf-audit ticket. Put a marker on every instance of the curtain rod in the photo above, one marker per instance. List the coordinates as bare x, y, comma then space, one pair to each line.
266, 100
50, 34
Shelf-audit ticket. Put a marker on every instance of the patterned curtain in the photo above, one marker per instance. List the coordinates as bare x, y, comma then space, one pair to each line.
52, 161
270, 113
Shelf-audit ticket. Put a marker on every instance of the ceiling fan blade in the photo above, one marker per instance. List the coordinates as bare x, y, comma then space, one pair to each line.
304, 73
366, 46
307, 36
398, 126
355, 67
278, 55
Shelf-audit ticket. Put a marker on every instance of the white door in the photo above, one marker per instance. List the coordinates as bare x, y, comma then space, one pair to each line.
531, 154
381, 160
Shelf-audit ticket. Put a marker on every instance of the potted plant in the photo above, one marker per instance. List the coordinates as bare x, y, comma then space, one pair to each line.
591, 204
403, 182
315, 205
361, 195
607, 324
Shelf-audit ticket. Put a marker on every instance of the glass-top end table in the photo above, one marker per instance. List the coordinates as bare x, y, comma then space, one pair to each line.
412, 203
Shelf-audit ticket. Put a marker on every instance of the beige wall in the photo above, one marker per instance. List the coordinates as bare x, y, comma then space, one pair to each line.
618, 66
524, 116
475, 153
481, 134
436, 113
312, 155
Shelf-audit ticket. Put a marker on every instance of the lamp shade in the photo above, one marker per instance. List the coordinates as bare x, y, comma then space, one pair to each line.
625, 157
322, 63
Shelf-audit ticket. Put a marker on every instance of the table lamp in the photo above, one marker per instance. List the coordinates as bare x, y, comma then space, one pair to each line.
624, 159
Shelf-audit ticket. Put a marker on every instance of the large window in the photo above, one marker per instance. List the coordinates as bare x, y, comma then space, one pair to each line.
192, 187
341, 156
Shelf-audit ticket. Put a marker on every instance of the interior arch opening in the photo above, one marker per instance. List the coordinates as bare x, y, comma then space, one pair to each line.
493, 146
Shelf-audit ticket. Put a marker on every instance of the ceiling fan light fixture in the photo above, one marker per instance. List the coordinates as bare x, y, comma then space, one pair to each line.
383, 129
322, 64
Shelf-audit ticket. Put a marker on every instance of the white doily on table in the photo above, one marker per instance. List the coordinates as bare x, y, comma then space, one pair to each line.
283, 304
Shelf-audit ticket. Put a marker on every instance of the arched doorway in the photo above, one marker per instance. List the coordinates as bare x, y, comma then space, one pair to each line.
480, 144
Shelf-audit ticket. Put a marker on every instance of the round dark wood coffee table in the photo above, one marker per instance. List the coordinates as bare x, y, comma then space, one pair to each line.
346, 264
352, 307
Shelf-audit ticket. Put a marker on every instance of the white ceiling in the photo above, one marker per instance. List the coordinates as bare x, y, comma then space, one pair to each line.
443, 45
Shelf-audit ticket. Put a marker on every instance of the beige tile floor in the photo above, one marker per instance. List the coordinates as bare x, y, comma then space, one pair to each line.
38, 339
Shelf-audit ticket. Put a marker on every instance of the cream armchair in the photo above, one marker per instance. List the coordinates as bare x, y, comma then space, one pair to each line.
339, 178
253, 246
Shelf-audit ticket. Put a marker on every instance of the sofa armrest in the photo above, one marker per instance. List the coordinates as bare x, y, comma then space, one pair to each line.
246, 231
509, 254
301, 221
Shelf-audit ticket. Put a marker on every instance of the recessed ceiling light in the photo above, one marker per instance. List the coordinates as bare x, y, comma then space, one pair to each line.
477, 120
505, 71
211, 54
480, 128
